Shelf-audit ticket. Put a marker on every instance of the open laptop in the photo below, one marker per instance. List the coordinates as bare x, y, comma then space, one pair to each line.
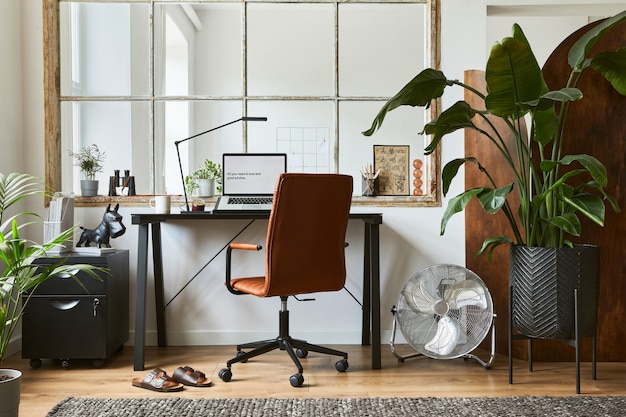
248, 181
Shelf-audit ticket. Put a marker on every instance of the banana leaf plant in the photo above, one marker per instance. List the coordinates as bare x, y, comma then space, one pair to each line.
551, 201
19, 274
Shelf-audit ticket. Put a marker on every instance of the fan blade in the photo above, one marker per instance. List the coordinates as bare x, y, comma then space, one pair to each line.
419, 301
464, 293
446, 338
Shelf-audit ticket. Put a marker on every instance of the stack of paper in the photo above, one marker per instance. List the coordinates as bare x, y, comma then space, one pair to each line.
60, 217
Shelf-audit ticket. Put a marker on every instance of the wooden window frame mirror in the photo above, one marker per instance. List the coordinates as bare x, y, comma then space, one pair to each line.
53, 99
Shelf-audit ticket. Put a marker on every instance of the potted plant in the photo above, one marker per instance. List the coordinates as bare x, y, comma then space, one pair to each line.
20, 275
204, 179
553, 189
90, 161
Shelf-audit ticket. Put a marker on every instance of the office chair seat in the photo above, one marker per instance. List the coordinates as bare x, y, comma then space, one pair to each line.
304, 253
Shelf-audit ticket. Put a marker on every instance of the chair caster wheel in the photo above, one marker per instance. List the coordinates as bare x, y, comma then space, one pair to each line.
35, 363
240, 354
65, 363
225, 375
296, 380
301, 353
341, 365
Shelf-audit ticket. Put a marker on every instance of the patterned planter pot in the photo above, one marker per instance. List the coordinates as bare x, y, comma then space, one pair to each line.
542, 283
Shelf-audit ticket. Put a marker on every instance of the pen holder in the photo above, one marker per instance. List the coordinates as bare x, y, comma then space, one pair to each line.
369, 186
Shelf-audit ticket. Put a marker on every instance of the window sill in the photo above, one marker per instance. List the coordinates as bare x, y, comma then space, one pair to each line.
177, 200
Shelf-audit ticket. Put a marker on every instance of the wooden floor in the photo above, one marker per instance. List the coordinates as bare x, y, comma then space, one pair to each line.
268, 376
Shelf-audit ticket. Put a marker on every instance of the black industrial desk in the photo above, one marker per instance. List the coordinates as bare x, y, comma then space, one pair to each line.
370, 331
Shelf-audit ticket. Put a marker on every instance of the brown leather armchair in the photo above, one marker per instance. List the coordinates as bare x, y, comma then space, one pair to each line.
304, 253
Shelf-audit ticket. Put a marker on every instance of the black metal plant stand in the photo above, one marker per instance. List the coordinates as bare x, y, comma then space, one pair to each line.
572, 342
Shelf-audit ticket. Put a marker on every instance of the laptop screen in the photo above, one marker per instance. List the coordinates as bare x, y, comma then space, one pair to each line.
251, 173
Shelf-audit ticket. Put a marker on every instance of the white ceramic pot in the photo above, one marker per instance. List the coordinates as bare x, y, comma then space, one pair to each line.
10, 381
205, 187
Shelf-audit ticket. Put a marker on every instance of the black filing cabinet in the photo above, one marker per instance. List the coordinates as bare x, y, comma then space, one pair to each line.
63, 321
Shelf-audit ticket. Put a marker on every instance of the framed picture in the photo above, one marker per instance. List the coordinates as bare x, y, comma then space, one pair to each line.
393, 162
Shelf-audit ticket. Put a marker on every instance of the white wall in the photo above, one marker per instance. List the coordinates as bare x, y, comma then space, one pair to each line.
205, 312
11, 138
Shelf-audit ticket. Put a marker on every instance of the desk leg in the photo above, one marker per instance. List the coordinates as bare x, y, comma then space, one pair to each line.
140, 305
374, 256
367, 285
159, 299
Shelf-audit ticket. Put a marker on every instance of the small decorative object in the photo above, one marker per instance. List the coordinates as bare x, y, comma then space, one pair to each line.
197, 204
122, 185
370, 180
89, 160
110, 227
417, 177
203, 179
393, 162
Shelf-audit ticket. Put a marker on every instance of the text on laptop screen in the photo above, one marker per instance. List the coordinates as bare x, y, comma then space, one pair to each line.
252, 173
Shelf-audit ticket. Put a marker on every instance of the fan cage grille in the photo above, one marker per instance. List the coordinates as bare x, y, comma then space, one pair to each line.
418, 315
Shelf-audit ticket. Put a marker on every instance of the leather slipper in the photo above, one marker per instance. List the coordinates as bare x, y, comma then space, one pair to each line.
186, 375
159, 381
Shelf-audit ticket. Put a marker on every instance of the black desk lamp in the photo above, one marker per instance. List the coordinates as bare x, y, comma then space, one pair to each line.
180, 164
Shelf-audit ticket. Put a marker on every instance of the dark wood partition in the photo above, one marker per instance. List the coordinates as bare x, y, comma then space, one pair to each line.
597, 126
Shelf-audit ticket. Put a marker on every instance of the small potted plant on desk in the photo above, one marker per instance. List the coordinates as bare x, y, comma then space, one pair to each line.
20, 275
205, 179
90, 161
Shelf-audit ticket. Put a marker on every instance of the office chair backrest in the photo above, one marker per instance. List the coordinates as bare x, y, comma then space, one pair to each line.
306, 234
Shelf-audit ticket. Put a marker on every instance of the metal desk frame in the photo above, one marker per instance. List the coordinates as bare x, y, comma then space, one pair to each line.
370, 331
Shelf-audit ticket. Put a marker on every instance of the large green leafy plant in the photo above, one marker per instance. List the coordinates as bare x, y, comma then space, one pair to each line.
19, 273
551, 196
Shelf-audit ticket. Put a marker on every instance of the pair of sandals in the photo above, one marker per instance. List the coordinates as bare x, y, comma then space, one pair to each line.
158, 380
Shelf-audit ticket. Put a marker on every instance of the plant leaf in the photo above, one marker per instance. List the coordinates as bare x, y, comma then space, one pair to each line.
492, 243
420, 91
457, 204
452, 168
590, 205
493, 200
458, 116
568, 222
612, 65
595, 168
513, 77
579, 52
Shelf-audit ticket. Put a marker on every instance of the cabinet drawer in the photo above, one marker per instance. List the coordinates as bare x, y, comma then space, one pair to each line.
116, 262
65, 327
67, 285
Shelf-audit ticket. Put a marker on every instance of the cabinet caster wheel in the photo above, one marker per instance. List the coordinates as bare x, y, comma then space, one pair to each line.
98, 363
35, 363
301, 353
240, 354
65, 364
341, 365
225, 375
296, 380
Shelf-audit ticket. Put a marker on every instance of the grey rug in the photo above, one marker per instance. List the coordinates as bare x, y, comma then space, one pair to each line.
327, 407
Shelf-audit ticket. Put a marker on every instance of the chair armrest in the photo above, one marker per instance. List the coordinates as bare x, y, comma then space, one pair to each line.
237, 246
244, 246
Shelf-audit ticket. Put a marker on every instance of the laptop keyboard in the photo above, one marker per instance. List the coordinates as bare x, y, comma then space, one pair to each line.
250, 200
